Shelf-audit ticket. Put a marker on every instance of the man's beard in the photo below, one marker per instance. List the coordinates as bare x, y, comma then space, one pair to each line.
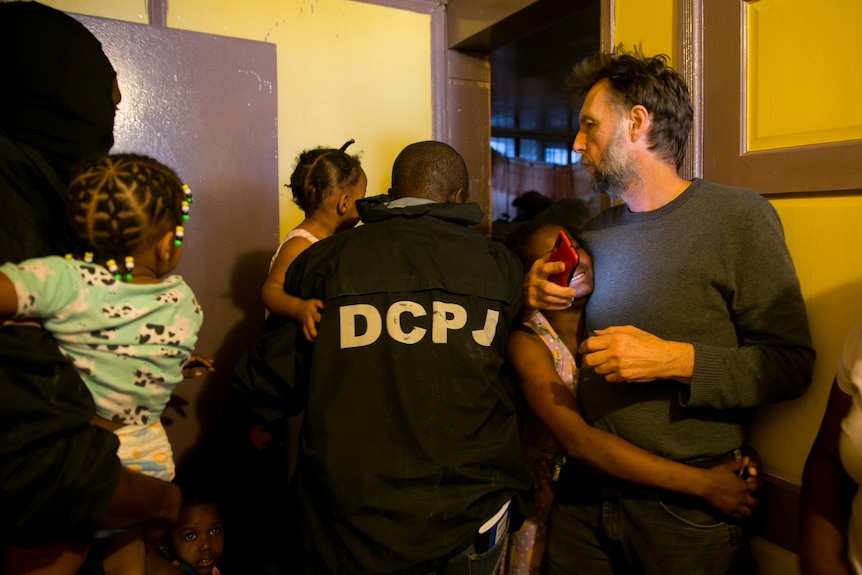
614, 174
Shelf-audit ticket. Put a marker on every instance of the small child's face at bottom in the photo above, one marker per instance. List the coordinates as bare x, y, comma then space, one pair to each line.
198, 537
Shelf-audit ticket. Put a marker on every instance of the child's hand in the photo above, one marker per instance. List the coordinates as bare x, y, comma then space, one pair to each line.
260, 437
730, 493
309, 317
751, 462
190, 369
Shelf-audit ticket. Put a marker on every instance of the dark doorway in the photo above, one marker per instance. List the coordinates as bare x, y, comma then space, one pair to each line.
533, 124
528, 104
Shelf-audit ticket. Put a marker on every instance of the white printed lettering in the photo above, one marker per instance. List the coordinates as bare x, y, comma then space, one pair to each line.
446, 316
394, 326
348, 315
485, 335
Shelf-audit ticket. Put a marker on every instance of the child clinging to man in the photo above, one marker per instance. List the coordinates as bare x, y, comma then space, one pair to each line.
126, 325
325, 184
543, 352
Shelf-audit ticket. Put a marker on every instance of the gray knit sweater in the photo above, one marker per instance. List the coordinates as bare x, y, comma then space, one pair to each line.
710, 268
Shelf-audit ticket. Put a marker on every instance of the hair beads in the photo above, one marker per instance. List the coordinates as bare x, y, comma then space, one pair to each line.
114, 269
130, 265
121, 204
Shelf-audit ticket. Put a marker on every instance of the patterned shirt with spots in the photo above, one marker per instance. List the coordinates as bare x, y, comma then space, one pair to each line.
128, 341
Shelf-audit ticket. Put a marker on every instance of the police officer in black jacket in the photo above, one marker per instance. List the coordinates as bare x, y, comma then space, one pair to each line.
409, 458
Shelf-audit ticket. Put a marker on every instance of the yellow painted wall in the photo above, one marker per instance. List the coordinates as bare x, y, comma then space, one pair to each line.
128, 10
825, 240
648, 23
338, 74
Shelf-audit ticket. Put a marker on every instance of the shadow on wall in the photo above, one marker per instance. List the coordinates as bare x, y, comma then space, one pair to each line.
784, 433
216, 404
251, 485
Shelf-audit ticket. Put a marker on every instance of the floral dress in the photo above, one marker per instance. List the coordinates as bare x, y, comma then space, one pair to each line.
544, 458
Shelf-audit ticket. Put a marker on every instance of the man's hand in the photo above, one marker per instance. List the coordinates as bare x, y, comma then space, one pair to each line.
629, 354
139, 499
539, 293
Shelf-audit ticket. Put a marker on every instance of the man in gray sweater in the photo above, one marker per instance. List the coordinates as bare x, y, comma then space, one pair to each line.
696, 319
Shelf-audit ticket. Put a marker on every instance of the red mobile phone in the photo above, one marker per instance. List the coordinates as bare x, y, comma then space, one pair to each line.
565, 252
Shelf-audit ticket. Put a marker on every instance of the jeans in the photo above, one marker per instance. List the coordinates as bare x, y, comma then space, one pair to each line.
600, 526
468, 562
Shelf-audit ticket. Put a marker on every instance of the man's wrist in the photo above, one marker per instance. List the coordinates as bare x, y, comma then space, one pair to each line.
683, 363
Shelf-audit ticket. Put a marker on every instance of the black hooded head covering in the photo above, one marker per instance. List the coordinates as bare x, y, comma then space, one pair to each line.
55, 85
56, 109
57, 472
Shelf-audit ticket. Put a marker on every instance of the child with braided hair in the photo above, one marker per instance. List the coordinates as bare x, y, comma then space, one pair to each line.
326, 184
127, 326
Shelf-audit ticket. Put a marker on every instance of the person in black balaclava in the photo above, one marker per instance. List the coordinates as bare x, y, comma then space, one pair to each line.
58, 94
59, 475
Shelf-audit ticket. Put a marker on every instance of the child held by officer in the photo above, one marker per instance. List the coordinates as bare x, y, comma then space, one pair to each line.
325, 184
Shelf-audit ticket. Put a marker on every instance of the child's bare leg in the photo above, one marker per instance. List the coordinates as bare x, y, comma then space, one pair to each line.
124, 553
62, 557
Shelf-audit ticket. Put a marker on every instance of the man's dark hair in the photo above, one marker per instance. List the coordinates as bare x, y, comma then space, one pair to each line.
636, 79
431, 170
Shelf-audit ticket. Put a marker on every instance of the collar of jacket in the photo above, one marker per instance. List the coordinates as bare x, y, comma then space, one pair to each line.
374, 209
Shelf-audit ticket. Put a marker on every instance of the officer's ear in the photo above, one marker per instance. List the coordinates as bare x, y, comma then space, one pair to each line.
459, 196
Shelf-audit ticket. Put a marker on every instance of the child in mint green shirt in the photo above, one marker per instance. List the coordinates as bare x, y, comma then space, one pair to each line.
124, 323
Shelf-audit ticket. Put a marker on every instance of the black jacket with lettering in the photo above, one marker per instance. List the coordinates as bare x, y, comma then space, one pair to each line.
410, 440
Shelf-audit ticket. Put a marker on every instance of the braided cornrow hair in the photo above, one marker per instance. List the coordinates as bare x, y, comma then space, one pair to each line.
320, 172
119, 202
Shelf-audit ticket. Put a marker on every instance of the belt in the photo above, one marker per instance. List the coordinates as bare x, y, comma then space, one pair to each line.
707, 462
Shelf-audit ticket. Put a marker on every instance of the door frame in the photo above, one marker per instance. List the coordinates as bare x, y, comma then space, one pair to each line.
720, 101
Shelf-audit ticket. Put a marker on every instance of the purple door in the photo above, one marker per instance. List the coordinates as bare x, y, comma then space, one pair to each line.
206, 106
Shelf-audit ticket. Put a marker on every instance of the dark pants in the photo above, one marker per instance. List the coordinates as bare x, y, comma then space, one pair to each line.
600, 526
